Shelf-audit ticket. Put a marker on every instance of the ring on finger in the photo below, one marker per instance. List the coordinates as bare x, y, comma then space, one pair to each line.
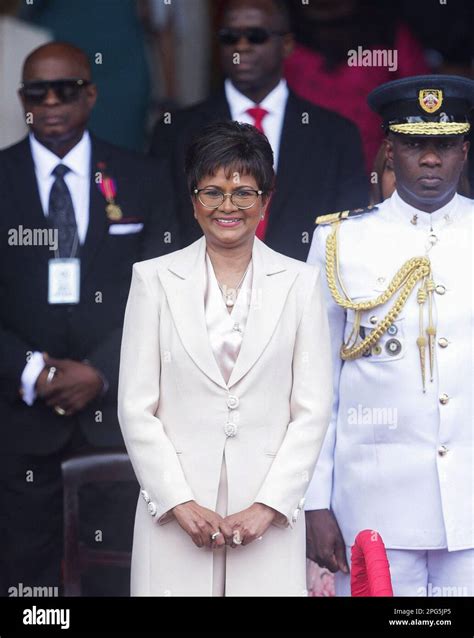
215, 535
236, 538
59, 410
51, 373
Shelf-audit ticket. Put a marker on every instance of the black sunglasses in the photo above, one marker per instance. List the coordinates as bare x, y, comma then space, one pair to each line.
66, 90
254, 35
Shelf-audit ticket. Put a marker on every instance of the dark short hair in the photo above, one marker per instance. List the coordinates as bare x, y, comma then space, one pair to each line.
282, 9
233, 146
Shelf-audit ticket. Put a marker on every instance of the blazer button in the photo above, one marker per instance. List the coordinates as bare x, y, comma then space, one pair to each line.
145, 496
442, 450
232, 402
230, 429
444, 398
152, 508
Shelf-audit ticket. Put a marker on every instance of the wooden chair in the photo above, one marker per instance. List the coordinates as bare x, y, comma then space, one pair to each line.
78, 471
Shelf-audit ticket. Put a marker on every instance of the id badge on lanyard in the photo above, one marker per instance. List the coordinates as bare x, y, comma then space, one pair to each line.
64, 279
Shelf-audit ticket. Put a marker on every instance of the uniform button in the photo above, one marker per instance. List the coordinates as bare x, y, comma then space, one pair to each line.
442, 450
152, 508
230, 429
377, 349
145, 496
392, 330
232, 402
444, 398
440, 289
443, 342
373, 320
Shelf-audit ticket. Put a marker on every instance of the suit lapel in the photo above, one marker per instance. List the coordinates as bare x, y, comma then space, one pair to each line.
25, 188
184, 284
294, 140
98, 225
219, 107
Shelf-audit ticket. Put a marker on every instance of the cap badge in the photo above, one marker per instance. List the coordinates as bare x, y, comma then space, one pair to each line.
430, 99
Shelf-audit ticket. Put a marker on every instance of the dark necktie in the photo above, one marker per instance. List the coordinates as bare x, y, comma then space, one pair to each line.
61, 212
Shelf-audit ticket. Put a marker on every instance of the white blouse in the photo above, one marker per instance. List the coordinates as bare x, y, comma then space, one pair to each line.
226, 329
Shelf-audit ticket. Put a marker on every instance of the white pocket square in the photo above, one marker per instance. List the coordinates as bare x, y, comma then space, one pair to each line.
124, 229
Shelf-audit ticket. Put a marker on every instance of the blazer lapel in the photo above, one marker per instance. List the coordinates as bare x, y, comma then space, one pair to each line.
184, 284
98, 226
272, 282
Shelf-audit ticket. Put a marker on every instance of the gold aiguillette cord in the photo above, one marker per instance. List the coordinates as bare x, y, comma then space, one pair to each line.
421, 341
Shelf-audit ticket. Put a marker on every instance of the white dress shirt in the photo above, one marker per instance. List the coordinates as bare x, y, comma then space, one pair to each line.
78, 160
274, 103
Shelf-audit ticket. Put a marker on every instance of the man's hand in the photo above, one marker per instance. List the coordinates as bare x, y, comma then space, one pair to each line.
74, 385
201, 523
324, 542
251, 523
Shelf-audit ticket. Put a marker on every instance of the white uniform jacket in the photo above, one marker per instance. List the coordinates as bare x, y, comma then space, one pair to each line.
395, 459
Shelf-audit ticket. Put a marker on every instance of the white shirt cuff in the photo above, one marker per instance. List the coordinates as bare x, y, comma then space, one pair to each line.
29, 376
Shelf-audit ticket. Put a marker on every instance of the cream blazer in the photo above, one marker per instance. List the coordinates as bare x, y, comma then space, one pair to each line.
179, 417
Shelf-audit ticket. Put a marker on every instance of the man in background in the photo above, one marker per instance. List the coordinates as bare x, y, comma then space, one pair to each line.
318, 154
76, 214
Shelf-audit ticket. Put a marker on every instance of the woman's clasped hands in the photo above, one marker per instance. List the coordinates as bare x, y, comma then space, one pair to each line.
210, 529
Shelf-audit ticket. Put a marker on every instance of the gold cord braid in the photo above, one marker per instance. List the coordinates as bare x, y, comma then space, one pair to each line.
405, 279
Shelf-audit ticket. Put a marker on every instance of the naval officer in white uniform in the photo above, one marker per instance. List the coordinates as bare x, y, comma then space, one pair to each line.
397, 457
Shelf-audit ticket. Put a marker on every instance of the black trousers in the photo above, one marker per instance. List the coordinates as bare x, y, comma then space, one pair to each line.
31, 522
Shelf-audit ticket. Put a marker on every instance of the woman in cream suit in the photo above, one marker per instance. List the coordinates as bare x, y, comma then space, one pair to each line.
224, 391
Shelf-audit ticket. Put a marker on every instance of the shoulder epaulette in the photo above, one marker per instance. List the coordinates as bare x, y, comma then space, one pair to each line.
345, 214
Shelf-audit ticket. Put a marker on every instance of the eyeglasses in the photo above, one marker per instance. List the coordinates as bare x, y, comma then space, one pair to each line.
213, 198
66, 90
254, 35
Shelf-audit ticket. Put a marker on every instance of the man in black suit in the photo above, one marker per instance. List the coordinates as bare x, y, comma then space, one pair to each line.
318, 155
76, 214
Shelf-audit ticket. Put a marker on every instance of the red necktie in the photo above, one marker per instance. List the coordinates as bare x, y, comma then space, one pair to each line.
257, 113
